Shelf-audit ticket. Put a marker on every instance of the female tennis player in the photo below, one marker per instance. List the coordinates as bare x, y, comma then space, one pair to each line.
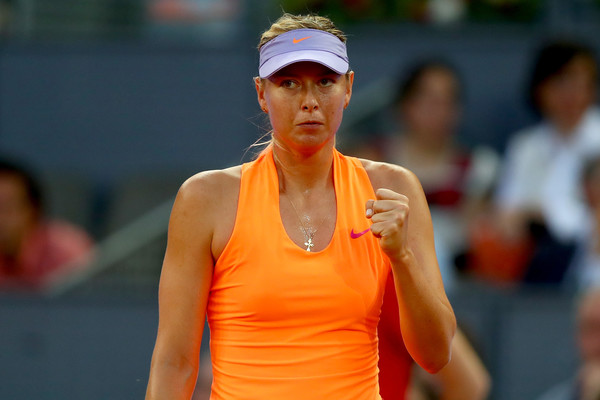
288, 255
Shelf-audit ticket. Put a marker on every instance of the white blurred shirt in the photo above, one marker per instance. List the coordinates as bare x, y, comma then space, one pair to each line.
542, 172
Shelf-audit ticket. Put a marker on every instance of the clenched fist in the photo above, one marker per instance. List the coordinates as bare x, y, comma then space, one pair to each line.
389, 215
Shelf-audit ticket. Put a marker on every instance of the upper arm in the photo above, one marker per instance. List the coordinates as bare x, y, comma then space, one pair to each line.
420, 227
186, 275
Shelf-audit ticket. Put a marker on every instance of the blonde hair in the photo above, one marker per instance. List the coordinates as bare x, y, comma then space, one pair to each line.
288, 22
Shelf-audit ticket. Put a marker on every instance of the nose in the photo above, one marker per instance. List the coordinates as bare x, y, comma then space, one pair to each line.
309, 100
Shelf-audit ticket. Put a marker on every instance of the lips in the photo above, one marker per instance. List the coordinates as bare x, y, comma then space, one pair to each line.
310, 123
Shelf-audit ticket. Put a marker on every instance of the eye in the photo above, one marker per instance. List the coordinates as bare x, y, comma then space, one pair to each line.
324, 82
289, 83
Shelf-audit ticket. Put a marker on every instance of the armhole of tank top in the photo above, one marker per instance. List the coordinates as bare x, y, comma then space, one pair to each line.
359, 165
244, 167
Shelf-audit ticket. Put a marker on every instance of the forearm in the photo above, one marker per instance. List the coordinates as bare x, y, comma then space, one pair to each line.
171, 381
427, 321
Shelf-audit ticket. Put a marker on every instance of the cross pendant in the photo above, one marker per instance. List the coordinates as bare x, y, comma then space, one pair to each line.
309, 244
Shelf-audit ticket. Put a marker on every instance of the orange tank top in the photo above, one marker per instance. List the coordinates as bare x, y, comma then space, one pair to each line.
290, 324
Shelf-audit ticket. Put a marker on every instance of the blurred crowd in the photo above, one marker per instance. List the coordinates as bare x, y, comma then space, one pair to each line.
35, 252
221, 19
528, 216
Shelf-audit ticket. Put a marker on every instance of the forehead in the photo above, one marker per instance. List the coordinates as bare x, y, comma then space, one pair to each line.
11, 184
437, 76
580, 64
305, 68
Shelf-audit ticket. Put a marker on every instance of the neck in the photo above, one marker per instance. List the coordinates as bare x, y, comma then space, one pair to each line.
424, 150
303, 173
566, 126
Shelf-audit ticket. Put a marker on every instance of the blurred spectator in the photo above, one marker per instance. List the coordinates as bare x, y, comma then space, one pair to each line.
421, 11
6, 16
538, 195
585, 269
455, 180
586, 384
211, 20
34, 252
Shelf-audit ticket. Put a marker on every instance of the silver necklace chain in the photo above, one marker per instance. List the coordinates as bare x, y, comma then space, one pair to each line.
308, 233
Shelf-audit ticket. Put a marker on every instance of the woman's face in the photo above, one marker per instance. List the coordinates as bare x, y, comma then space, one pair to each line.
432, 111
564, 97
305, 102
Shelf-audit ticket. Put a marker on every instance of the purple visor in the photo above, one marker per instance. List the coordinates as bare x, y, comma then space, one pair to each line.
303, 45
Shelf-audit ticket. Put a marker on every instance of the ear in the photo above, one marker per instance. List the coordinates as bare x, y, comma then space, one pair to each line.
260, 93
349, 83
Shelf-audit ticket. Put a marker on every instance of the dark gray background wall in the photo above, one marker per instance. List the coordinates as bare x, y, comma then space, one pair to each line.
108, 109
98, 347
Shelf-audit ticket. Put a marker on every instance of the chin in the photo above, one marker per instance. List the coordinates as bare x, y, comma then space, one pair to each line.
310, 146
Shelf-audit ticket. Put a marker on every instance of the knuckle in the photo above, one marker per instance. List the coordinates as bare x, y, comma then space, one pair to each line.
376, 218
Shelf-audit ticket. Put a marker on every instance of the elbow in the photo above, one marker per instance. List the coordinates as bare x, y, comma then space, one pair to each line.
444, 353
172, 376
440, 357
432, 349
435, 364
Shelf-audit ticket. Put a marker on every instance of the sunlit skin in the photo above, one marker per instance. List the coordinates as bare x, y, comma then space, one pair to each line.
565, 97
305, 102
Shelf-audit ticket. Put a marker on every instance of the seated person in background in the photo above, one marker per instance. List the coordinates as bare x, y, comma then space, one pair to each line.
455, 180
211, 20
193, 10
586, 384
585, 268
34, 252
538, 195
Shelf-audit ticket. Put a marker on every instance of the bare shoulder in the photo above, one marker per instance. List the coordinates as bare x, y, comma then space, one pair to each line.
211, 186
391, 176
208, 198
207, 202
